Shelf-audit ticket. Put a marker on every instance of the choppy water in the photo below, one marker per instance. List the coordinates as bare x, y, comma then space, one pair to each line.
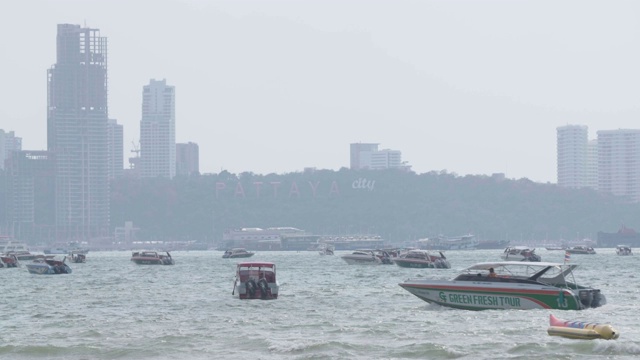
110, 308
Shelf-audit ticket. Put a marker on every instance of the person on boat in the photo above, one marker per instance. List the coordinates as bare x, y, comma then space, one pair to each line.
492, 273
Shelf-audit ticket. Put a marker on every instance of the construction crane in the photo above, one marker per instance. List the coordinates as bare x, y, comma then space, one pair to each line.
134, 161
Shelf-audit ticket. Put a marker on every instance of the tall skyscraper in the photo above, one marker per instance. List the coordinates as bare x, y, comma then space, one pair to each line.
77, 132
158, 130
572, 155
619, 163
8, 143
116, 156
187, 159
361, 155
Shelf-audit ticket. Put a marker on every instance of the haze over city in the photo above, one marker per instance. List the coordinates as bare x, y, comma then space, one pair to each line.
473, 87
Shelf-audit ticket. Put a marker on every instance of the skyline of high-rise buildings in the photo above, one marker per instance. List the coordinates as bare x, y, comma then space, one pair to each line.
610, 163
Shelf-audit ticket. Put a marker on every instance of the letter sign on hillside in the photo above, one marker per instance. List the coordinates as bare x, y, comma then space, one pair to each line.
363, 183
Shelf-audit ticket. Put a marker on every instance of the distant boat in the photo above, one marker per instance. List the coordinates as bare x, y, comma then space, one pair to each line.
237, 253
581, 250
151, 258
48, 267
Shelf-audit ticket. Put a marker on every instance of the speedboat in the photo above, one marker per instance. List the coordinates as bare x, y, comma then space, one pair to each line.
422, 259
623, 250
22, 255
237, 253
520, 253
509, 285
367, 257
325, 249
151, 258
8, 261
78, 257
256, 280
48, 267
581, 250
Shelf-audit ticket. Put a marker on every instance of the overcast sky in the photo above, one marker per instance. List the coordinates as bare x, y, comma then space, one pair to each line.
473, 87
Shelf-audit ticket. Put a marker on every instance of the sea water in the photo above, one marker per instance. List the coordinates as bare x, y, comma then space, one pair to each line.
111, 308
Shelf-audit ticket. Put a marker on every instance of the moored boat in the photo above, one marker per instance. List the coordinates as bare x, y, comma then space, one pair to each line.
367, 257
325, 249
520, 253
581, 250
78, 257
48, 267
256, 280
623, 250
237, 253
9, 261
151, 258
422, 259
509, 285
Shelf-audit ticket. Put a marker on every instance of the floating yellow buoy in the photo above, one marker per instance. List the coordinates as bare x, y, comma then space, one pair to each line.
581, 330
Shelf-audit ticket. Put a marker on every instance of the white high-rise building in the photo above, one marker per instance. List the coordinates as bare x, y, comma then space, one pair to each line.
591, 180
158, 130
572, 155
8, 144
386, 159
367, 156
619, 163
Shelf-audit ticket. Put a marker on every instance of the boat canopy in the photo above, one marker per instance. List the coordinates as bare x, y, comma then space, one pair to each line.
257, 264
487, 265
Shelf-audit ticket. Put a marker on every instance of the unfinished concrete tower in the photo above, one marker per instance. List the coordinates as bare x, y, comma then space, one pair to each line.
77, 132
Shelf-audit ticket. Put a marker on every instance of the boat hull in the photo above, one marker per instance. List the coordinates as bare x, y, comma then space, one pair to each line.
361, 260
238, 256
153, 261
46, 269
421, 264
480, 295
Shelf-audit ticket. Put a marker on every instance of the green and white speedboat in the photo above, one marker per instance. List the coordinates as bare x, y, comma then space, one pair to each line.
509, 285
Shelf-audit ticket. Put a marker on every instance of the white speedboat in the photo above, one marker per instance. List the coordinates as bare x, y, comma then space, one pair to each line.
48, 267
422, 259
367, 257
520, 253
509, 285
623, 250
256, 280
325, 249
151, 258
237, 253
581, 250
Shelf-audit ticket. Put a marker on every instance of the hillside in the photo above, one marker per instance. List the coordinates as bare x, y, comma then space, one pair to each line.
397, 205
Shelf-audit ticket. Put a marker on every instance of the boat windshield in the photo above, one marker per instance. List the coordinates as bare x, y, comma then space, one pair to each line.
542, 272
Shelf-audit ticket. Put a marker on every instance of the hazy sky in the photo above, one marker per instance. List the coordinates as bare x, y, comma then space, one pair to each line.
473, 87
